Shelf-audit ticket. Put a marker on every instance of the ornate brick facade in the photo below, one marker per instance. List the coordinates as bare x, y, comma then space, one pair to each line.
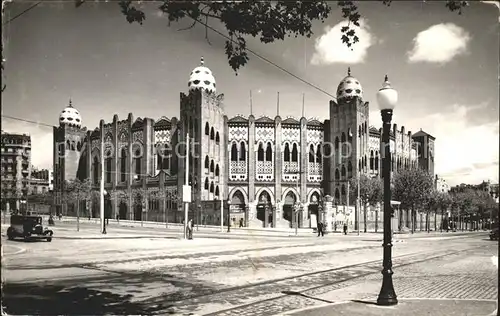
263, 166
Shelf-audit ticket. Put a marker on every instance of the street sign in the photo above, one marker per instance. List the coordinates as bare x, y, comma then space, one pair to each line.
186, 193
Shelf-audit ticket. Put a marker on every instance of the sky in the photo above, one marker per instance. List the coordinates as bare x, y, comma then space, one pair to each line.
443, 65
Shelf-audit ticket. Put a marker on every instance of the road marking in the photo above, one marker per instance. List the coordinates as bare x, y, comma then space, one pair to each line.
20, 250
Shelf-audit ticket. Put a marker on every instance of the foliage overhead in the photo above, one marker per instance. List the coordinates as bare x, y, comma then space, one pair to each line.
269, 21
78, 190
370, 189
413, 188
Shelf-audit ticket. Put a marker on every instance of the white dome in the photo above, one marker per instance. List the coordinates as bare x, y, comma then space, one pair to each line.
349, 87
70, 116
201, 78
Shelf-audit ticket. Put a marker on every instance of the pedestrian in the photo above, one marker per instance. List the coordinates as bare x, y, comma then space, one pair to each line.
190, 229
345, 228
241, 222
321, 230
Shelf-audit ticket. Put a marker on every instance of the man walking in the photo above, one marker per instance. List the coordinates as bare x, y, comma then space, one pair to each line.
190, 229
321, 229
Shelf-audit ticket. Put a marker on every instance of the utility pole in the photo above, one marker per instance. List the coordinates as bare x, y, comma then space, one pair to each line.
347, 197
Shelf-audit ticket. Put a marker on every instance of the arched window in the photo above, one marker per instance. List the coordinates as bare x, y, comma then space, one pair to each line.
234, 152
207, 162
217, 191
138, 162
260, 153
207, 129
68, 145
349, 169
269, 152
337, 174
108, 170
123, 164
212, 187
372, 160
295, 153
166, 160
206, 184
376, 160
217, 138
311, 153
287, 152
343, 143
95, 169
343, 171
243, 151
212, 166
337, 194
318, 154
359, 131
336, 144
365, 161
217, 170
342, 190
212, 134
360, 164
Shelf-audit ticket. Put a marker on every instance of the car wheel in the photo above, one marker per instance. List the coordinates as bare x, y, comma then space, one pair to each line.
49, 239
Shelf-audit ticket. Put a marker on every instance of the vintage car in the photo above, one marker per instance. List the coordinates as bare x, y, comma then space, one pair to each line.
28, 227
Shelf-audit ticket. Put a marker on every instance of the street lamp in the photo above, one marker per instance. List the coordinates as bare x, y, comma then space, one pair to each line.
228, 215
387, 98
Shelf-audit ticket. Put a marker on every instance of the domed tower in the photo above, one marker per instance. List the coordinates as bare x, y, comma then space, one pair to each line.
202, 116
69, 138
348, 137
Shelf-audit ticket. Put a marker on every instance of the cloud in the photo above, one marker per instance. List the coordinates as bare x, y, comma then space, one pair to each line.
41, 141
439, 44
496, 4
464, 153
329, 48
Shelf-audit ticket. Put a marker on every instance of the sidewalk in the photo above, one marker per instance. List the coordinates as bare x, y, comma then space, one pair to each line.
407, 307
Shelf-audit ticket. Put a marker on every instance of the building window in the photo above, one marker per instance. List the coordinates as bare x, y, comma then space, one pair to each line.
311, 153
207, 162
343, 171
207, 129
217, 171
212, 134
123, 165
95, 169
138, 163
217, 138
337, 174
287, 152
108, 170
206, 184
349, 169
260, 153
234, 152
212, 166
376, 160
243, 152
295, 153
372, 160
269, 152
212, 187
318, 154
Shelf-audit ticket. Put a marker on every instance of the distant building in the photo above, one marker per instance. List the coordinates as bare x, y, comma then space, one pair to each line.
15, 169
483, 186
41, 181
262, 165
441, 185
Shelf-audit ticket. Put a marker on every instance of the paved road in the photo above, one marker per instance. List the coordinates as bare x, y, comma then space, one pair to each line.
158, 274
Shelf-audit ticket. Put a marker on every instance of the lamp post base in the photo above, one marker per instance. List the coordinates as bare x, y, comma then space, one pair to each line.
387, 296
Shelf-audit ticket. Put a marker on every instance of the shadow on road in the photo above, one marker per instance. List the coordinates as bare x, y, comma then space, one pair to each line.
21, 299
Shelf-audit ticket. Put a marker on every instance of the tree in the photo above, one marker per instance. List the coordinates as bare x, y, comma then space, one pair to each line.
270, 21
78, 191
413, 187
370, 193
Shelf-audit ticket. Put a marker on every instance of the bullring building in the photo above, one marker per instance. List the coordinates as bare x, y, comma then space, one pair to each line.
259, 167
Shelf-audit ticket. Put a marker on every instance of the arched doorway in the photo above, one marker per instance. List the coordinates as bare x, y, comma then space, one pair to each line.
313, 210
288, 204
264, 206
122, 210
237, 209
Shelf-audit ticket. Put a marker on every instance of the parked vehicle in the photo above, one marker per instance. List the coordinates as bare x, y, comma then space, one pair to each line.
28, 227
494, 234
